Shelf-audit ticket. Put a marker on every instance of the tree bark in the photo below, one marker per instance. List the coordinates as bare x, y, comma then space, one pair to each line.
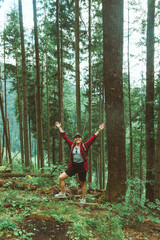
0, 134
90, 93
113, 60
157, 160
101, 154
141, 146
5, 93
78, 101
30, 138
5, 131
60, 77
150, 143
0, 152
53, 148
20, 113
39, 105
129, 100
25, 122
103, 140
48, 110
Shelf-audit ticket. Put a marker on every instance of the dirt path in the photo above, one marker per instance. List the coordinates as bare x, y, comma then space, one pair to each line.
45, 228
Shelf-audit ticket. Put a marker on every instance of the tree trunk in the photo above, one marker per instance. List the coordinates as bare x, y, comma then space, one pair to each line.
150, 144
60, 79
90, 95
157, 159
101, 155
25, 122
141, 162
48, 110
97, 171
37, 162
129, 100
113, 60
103, 141
0, 133
53, 149
0, 152
39, 108
3, 143
30, 139
9, 139
5, 93
141, 147
5, 130
20, 113
36, 116
78, 101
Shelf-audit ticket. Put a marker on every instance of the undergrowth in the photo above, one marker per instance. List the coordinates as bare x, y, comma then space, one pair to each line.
105, 222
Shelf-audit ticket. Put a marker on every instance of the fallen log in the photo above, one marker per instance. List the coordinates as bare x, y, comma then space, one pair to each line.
146, 225
7, 205
7, 175
87, 204
15, 184
53, 190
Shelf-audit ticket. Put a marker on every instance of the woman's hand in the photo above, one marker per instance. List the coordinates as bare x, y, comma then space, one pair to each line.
100, 129
101, 126
57, 124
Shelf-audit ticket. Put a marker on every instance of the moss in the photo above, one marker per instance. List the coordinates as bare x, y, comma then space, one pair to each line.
3, 168
103, 198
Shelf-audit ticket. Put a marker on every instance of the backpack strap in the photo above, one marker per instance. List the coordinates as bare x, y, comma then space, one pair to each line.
84, 147
72, 146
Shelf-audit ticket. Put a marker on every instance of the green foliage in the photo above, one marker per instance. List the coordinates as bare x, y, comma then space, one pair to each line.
7, 225
134, 188
78, 230
1, 207
22, 234
134, 209
106, 227
62, 212
90, 198
109, 227
105, 223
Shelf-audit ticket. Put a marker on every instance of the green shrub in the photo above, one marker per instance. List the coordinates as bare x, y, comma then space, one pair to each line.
7, 225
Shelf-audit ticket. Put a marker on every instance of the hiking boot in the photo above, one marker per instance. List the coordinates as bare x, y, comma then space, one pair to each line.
83, 200
60, 195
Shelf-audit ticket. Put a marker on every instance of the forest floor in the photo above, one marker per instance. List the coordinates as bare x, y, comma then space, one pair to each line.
37, 215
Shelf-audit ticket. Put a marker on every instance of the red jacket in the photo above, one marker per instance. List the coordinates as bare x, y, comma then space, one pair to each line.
82, 150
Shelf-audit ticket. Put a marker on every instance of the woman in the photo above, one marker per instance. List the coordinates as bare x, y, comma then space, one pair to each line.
78, 160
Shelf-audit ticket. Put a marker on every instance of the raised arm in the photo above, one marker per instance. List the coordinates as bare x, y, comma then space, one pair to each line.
93, 138
100, 129
63, 134
58, 125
